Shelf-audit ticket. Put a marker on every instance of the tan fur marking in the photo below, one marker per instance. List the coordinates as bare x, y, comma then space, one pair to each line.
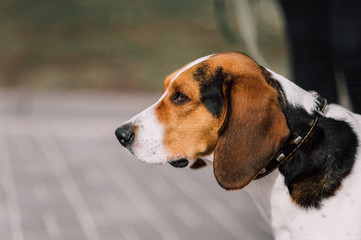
168, 79
313, 187
189, 130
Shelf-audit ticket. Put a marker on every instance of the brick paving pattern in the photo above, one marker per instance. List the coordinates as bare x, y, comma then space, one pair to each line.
63, 175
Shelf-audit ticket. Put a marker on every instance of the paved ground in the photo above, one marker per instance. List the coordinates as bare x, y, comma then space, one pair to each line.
63, 175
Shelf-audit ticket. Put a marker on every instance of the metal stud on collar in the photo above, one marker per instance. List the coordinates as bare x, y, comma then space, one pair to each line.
320, 113
263, 171
297, 140
280, 157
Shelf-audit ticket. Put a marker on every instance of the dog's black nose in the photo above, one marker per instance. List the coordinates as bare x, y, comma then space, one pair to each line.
125, 134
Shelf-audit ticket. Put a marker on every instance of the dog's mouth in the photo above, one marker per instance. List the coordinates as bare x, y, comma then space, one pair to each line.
183, 162
180, 163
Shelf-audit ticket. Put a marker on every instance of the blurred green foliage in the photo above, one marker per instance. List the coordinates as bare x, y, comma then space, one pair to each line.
110, 44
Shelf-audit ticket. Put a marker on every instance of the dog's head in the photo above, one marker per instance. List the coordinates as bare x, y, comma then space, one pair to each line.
220, 107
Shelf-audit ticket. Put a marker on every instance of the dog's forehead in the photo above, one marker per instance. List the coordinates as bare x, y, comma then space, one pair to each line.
176, 74
229, 61
206, 73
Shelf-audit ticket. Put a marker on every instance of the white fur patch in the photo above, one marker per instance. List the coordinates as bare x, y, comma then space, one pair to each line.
295, 95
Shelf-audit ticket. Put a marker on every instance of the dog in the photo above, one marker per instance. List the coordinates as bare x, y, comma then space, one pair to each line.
297, 156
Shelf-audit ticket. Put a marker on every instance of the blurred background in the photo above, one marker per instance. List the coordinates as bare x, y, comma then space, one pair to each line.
123, 44
70, 73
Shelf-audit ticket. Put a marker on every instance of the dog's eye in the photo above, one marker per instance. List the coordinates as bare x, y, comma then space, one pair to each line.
179, 98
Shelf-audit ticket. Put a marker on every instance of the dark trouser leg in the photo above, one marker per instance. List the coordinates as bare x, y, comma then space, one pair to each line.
310, 38
347, 35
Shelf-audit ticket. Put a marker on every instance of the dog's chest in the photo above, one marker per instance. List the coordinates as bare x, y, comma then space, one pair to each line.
338, 218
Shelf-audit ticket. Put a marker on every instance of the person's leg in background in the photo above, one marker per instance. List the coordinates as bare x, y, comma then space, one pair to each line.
347, 38
310, 37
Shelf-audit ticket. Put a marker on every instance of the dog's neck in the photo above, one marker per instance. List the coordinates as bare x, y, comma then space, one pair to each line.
296, 139
318, 167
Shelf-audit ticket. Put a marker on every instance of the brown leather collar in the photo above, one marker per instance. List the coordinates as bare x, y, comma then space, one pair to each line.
297, 139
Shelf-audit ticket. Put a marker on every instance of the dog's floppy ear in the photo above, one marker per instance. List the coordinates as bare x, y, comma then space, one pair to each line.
253, 129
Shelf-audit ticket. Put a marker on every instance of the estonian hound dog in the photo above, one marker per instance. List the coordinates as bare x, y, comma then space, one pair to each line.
298, 156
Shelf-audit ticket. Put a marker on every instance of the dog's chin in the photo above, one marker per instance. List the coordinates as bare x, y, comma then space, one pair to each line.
179, 163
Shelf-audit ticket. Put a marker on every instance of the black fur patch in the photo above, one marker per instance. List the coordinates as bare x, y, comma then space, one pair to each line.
210, 85
318, 168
